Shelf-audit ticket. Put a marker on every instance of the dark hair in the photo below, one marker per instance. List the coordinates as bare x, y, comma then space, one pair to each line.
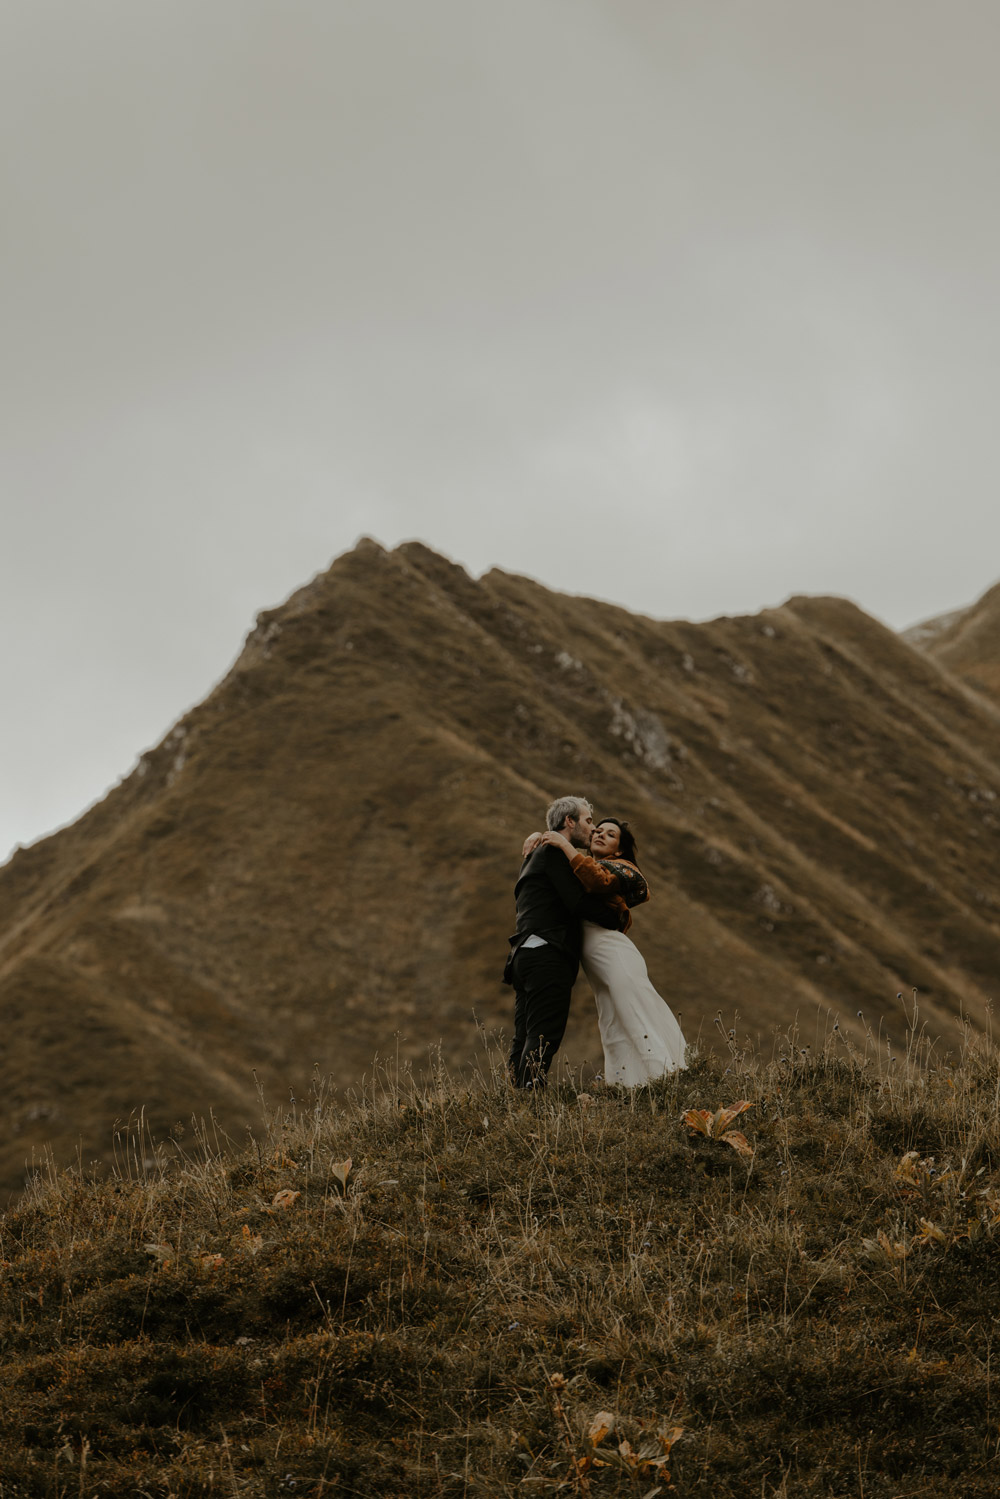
626, 839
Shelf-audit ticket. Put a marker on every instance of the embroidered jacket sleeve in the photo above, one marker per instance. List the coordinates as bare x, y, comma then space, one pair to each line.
611, 877
612, 886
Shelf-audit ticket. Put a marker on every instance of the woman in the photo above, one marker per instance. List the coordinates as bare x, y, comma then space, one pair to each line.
640, 1036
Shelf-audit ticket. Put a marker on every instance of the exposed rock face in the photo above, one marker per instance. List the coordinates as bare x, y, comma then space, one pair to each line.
316, 863
967, 642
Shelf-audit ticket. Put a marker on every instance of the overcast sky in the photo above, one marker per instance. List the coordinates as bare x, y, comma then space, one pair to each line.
687, 304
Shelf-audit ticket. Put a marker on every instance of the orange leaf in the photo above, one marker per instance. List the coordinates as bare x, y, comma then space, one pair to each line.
931, 1233
341, 1170
601, 1426
738, 1142
285, 1198
727, 1115
714, 1124
699, 1120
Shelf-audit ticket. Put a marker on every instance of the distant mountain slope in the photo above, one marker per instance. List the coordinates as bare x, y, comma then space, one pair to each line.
926, 633
316, 863
967, 642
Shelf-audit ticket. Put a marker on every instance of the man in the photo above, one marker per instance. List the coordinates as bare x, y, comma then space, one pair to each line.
545, 948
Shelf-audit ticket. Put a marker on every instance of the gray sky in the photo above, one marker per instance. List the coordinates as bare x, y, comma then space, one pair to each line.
688, 304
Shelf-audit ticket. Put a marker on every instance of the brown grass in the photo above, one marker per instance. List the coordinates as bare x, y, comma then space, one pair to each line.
495, 1276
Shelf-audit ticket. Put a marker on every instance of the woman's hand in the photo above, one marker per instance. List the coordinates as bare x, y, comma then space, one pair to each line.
530, 844
556, 840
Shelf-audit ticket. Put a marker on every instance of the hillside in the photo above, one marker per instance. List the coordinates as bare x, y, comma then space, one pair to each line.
316, 863
967, 642
448, 1291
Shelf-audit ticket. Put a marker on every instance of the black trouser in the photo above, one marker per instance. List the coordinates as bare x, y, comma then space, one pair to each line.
543, 982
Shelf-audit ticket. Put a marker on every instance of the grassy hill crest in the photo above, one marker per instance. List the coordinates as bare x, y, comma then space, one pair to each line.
446, 1288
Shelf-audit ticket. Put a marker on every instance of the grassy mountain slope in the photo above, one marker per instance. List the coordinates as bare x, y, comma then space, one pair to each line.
472, 1292
316, 863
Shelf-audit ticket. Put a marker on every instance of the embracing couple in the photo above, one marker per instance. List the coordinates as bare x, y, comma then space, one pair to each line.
574, 895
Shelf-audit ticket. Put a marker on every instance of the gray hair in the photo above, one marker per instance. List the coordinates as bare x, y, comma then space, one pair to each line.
566, 806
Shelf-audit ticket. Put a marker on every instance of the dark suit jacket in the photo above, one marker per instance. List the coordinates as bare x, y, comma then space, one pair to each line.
548, 896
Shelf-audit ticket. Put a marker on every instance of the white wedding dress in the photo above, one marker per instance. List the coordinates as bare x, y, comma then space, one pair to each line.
640, 1036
